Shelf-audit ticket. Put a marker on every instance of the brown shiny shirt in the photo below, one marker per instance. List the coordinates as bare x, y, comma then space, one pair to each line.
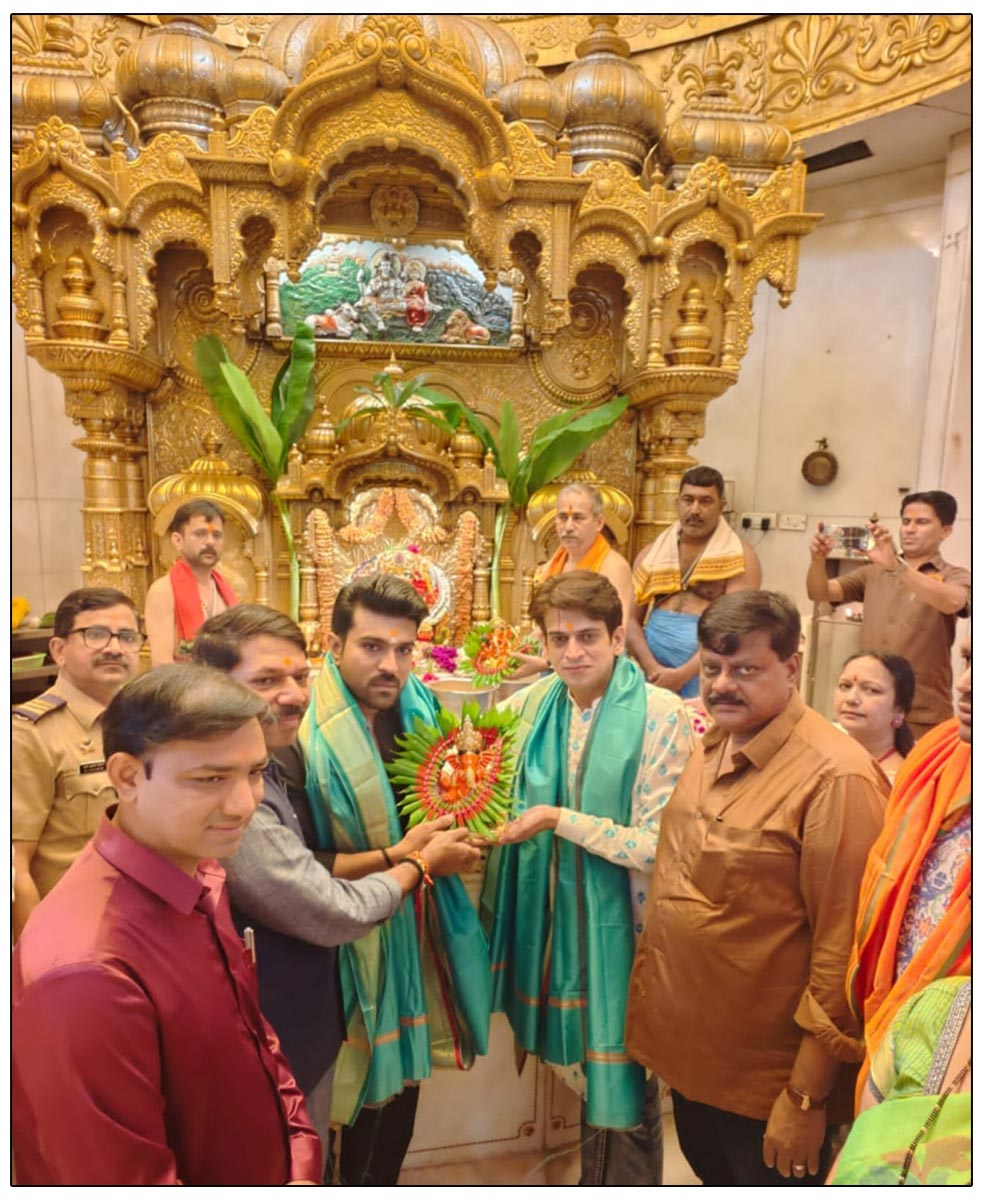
751, 912
896, 621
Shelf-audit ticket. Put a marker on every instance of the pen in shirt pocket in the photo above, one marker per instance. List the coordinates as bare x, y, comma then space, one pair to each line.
249, 944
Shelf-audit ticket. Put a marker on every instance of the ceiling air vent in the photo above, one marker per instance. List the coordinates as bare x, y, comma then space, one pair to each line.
839, 156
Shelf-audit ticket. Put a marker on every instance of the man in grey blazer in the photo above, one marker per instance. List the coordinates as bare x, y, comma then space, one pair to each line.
285, 901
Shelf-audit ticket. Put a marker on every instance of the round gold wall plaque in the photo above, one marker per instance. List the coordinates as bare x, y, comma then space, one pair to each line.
819, 468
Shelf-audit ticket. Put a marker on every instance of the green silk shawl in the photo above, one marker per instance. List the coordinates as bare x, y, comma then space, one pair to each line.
417, 988
562, 926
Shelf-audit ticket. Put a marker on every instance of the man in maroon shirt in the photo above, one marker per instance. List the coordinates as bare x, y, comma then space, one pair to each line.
139, 1054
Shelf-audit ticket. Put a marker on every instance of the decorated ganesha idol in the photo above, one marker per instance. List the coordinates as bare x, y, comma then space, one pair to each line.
490, 650
461, 768
424, 576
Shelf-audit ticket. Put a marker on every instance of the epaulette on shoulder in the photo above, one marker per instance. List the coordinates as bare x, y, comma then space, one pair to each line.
40, 706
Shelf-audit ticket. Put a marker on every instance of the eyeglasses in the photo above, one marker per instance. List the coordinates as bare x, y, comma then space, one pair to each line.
98, 637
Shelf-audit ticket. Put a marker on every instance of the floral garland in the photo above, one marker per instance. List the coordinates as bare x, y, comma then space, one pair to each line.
467, 541
463, 769
374, 527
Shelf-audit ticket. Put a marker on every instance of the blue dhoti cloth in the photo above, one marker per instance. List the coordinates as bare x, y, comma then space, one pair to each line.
671, 636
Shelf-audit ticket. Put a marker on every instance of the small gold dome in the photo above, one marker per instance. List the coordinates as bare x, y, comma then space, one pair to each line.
169, 79
53, 81
716, 125
613, 111
618, 508
252, 81
209, 476
535, 100
320, 441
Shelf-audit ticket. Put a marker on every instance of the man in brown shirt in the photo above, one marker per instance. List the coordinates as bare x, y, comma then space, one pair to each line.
737, 994
910, 602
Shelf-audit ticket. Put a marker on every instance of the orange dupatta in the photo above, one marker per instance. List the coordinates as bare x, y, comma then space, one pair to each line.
590, 562
933, 782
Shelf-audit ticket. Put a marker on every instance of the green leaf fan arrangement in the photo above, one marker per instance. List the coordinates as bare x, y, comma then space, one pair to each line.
266, 437
461, 768
489, 648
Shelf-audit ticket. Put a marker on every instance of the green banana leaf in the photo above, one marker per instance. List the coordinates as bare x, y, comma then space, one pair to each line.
240, 392
210, 356
567, 443
296, 393
509, 440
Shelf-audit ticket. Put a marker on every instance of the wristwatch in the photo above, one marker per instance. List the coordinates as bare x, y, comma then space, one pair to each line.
802, 1100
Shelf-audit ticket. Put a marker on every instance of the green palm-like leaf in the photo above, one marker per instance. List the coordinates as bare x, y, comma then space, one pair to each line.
295, 393
509, 441
210, 357
568, 442
255, 416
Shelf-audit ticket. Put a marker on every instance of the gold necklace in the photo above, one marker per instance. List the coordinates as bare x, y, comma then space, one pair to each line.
208, 607
930, 1120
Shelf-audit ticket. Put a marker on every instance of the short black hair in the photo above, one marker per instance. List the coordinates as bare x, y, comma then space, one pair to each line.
83, 600
175, 703
195, 508
703, 477
941, 503
730, 618
578, 591
385, 594
220, 640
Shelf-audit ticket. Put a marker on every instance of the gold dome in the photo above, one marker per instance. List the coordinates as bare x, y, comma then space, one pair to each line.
252, 81
618, 508
169, 79
716, 125
50, 79
212, 478
534, 100
613, 111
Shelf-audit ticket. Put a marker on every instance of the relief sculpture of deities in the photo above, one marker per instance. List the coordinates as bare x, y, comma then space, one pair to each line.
548, 210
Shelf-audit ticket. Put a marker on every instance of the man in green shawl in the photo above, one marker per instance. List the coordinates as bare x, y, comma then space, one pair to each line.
601, 751
416, 988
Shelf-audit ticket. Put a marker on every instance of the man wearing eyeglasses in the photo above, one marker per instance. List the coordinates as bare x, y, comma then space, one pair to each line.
60, 788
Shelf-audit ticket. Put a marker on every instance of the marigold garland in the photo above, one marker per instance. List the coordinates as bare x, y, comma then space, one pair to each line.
463, 769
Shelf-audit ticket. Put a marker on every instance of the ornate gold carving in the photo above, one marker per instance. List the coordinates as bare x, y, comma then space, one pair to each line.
395, 210
821, 56
619, 282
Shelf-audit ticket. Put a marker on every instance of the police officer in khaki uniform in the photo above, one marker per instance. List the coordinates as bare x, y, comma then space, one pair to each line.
59, 781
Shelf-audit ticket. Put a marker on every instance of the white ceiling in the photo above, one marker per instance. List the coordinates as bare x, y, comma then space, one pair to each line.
910, 137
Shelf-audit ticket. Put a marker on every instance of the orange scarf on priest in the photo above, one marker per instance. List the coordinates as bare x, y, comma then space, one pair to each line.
188, 612
590, 562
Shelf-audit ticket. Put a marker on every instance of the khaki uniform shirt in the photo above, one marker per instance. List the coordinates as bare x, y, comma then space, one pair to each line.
60, 788
751, 913
896, 621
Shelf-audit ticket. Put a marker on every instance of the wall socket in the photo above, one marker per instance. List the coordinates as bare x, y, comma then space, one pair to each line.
763, 521
793, 522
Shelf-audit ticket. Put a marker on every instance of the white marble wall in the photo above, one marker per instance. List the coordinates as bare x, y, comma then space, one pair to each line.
46, 484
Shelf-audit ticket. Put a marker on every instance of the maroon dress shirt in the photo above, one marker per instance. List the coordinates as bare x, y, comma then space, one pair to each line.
139, 1054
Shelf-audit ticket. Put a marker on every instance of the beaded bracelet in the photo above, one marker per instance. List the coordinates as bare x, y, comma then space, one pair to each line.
421, 864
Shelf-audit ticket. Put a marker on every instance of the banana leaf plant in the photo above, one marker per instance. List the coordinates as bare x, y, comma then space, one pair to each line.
266, 437
554, 445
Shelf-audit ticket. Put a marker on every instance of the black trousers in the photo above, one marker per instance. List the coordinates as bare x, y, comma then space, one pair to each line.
373, 1148
725, 1149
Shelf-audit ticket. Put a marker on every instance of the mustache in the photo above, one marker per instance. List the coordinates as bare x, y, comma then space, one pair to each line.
116, 660
289, 710
715, 698
385, 677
